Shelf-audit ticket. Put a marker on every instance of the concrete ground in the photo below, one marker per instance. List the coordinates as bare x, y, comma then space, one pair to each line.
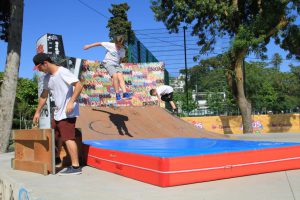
97, 184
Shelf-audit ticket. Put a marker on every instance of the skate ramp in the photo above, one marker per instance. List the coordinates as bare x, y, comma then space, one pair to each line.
135, 122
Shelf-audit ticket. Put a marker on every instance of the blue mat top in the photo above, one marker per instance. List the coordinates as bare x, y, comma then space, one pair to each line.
176, 147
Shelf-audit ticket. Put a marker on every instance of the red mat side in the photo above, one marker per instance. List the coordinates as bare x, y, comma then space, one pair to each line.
136, 166
166, 172
228, 165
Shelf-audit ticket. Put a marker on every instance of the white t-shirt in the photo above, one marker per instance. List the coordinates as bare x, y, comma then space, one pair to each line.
59, 84
112, 54
164, 89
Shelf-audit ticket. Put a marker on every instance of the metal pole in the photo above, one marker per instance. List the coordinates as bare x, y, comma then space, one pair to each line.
139, 51
185, 65
147, 55
129, 46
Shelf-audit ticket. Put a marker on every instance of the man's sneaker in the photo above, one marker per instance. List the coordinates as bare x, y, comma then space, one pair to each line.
118, 97
70, 171
126, 95
175, 111
58, 162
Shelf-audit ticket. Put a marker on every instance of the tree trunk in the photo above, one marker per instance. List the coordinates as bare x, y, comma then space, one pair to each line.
242, 101
9, 85
236, 83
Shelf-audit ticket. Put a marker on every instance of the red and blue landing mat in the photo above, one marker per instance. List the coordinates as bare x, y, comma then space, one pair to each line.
175, 161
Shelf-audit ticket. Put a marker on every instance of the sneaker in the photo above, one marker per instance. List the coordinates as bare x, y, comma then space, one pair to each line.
70, 171
175, 111
58, 162
118, 97
126, 95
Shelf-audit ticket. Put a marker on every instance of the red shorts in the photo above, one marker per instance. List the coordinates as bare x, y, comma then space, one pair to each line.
64, 129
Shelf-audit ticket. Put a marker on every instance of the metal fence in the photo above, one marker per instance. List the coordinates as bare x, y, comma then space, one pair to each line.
137, 52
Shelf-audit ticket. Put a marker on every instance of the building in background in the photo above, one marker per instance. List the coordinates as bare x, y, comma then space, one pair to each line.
177, 83
203, 108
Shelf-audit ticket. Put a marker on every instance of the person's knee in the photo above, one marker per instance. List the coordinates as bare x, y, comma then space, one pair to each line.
114, 76
71, 143
120, 74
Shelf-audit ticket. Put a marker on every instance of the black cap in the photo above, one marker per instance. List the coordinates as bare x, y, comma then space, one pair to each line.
39, 59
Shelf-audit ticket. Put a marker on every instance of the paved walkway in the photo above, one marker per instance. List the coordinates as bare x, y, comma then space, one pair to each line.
97, 184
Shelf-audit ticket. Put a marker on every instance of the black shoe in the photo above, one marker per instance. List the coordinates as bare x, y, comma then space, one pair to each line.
70, 171
175, 111
58, 162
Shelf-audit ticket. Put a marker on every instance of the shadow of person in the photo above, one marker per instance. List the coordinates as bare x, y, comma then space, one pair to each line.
119, 121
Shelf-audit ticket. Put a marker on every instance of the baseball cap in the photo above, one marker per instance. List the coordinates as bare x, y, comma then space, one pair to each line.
39, 59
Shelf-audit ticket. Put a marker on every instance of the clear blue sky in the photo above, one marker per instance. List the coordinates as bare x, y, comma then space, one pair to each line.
79, 25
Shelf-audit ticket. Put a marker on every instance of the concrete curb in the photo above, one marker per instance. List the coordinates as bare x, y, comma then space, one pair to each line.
9, 187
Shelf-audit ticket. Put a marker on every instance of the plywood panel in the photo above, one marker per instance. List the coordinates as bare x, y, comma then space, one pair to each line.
34, 150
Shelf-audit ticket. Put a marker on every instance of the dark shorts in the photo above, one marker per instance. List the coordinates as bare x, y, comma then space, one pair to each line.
167, 97
64, 129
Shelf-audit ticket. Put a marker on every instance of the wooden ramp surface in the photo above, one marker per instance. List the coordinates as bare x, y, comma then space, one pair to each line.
135, 122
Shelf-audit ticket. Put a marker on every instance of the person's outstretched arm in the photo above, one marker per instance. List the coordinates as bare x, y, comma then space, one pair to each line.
158, 100
92, 45
42, 101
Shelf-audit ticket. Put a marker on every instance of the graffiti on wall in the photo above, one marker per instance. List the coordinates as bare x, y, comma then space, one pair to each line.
197, 124
98, 90
256, 125
139, 79
260, 123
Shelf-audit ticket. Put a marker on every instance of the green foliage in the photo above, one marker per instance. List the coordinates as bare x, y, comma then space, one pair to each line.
209, 77
259, 86
270, 89
291, 41
26, 100
180, 98
251, 24
267, 89
287, 88
118, 24
276, 61
4, 19
216, 102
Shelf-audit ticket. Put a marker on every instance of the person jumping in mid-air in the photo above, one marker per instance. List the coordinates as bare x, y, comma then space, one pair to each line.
115, 53
164, 93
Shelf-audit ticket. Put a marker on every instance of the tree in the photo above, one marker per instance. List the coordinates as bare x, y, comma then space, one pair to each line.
209, 77
295, 70
180, 99
259, 86
250, 25
291, 40
1, 79
26, 100
287, 87
9, 84
4, 19
118, 24
276, 61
